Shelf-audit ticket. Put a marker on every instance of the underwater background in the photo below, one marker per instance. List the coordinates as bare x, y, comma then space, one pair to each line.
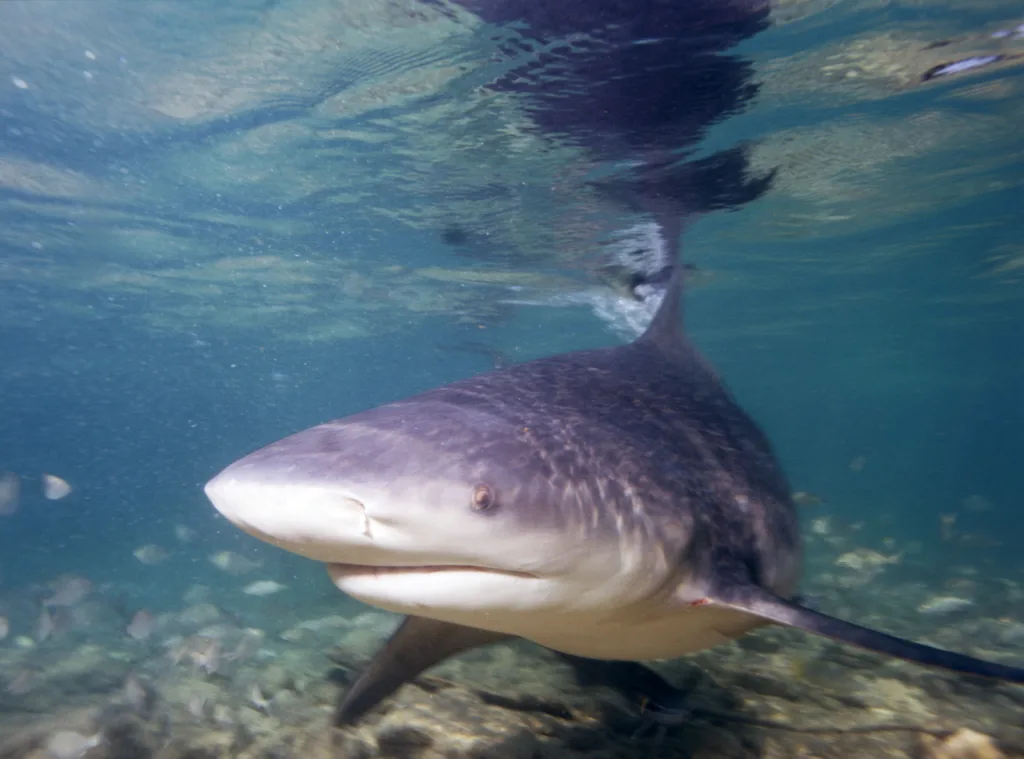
221, 223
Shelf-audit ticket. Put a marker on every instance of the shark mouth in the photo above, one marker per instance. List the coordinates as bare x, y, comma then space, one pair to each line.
339, 571
451, 588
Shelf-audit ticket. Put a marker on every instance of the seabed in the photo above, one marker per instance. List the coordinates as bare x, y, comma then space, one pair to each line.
203, 685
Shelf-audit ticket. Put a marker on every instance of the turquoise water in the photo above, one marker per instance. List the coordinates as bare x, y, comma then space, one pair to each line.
225, 223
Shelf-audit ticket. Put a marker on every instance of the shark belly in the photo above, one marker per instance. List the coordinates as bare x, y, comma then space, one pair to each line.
631, 639
639, 632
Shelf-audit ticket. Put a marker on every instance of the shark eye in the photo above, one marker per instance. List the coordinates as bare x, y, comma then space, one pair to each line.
483, 498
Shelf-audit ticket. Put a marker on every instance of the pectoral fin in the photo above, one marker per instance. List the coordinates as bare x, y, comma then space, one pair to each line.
760, 603
416, 645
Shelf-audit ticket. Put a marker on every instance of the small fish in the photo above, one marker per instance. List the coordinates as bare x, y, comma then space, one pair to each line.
10, 490
198, 707
858, 463
197, 594
960, 66
68, 591
54, 488
947, 526
803, 498
250, 642
25, 681
150, 554
135, 694
257, 700
233, 563
263, 588
184, 534
977, 540
944, 605
1015, 33
142, 625
44, 626
5, 628
866, 559
222, 716
977, 503
202, 651
821, 526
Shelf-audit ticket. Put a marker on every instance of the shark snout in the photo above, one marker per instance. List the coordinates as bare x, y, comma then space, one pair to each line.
309, 518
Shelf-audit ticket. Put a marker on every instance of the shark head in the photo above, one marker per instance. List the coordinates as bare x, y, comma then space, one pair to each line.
436, 508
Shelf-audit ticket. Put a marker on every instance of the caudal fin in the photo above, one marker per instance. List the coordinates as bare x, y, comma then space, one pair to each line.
761, 603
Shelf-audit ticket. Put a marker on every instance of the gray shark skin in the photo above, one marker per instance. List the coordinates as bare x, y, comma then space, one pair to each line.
613, 504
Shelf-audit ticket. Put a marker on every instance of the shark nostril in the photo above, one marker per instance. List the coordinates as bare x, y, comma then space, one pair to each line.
367, 522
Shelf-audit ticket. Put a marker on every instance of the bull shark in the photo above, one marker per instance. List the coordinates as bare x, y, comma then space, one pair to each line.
614, 504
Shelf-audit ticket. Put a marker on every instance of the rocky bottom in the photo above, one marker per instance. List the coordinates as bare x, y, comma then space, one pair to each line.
775, 693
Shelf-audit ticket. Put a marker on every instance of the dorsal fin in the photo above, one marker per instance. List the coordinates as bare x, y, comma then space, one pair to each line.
666, 328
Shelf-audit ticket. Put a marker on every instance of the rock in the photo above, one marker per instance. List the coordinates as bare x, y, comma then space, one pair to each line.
1012, 634
519, 744
402, 740
768, 686
68, 744
760, 643
963, 744
127, 737
275, 679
